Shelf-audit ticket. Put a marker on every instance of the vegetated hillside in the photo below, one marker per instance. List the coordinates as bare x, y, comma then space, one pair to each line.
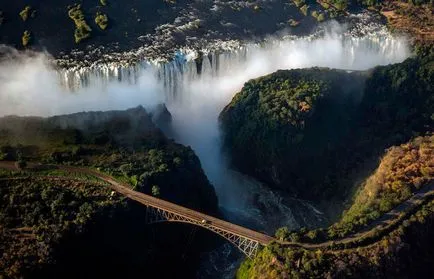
69, 225
402, 171
401, 247
407, 252
36, 213
316, 132
125, 144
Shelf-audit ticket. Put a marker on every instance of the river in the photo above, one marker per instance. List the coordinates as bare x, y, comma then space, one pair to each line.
195, 86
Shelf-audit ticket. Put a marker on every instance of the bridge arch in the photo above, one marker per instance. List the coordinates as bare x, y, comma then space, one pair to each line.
246, 245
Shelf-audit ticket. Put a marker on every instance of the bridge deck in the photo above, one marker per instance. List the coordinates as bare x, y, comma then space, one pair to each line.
174, 208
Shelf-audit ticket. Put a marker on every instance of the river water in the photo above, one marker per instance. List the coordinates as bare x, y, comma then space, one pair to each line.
196, 86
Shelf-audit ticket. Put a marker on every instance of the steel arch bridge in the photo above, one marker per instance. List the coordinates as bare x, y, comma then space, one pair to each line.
157, 210
246, 245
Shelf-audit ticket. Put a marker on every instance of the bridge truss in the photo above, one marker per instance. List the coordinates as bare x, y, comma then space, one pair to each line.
247, 246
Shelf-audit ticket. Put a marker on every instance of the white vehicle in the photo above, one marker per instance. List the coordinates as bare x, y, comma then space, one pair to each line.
205, 221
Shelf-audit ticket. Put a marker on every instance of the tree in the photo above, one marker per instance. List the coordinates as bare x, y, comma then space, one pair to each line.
21, 164
312, 234
155, 191
294, 237
24, 14
26, 38
126, 169
282, 233
101, 20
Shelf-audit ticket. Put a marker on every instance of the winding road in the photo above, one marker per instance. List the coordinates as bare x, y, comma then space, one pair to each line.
207, 221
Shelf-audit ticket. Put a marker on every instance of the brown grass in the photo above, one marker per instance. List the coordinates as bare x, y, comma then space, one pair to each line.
417, 21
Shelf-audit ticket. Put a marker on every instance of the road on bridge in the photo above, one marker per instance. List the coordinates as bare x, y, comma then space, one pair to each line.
147, 200
125, 190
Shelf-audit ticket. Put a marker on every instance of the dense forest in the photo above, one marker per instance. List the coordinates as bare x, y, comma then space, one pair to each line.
319, 134
313, 132
389, 249
125, 144
403, 253
45, 212
35, 213
403, 171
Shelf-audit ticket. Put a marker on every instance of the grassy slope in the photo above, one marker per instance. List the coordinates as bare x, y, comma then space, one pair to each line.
403, 170
316, 130
397, 105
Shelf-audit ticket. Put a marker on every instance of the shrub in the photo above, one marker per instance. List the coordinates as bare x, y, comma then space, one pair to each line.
26, 38
24, 14
21, 164
101, 20
293, 23
103, 2
156, 191
82, 30
299, 3
318, 16
282, 233
304, 9
294, 237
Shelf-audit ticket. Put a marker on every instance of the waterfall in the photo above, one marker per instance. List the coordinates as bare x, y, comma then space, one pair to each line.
195, 85
332, 50
198, 84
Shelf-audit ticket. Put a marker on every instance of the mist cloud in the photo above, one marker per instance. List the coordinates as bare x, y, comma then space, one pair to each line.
30, 86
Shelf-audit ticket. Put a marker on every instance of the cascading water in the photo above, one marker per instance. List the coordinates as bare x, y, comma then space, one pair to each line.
195, 87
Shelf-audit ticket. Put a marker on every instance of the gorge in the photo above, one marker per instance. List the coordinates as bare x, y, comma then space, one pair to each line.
195, 87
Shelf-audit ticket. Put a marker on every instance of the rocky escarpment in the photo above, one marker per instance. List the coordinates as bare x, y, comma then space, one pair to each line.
314, 132
385, 232
283, 127
82, 225
124, 143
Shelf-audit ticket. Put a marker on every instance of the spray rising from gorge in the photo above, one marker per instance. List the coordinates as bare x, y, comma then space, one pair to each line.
195, 88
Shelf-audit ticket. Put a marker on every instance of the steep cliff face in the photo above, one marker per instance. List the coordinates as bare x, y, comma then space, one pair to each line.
285, 117
126, 144
404, 253
286, 127
82, 224
368, 243
313, 132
